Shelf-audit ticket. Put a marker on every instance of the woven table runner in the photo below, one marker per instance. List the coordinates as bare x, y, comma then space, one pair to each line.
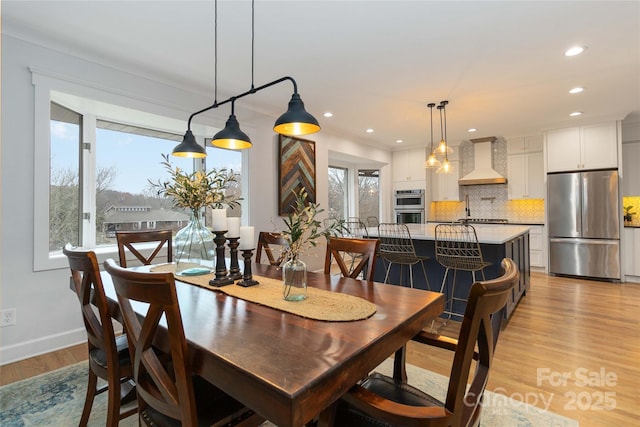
319, 305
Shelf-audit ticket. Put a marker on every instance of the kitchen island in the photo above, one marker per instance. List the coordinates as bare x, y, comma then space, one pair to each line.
496, 242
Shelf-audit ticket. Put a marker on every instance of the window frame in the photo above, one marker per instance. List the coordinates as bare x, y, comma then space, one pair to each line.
92, 102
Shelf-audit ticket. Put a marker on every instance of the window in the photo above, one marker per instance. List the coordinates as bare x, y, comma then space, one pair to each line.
368, 193
94, 178
64, 177
338, 192
126, 159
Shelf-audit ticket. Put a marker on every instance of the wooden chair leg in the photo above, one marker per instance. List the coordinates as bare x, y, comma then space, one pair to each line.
113, 402
88, 400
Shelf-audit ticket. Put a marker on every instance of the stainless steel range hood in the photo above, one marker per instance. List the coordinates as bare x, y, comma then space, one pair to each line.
483, 172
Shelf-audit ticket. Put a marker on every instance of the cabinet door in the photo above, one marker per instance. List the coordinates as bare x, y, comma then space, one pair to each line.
631, 169
516, 176
408, 165
445, 185
400, 165
599, 146
563, 149
516, 146
416, 168
535, 176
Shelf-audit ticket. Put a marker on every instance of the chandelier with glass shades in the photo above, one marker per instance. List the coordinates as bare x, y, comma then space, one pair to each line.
443, 149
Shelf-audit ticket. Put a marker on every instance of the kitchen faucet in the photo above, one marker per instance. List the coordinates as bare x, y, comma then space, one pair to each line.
466, 204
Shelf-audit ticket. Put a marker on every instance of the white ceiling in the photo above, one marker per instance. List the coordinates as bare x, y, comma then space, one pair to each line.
374, 64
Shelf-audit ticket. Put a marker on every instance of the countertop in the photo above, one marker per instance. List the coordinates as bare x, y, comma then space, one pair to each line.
489, 233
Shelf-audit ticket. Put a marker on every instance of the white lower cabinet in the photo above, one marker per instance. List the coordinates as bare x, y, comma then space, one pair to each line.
536, 246
632, 254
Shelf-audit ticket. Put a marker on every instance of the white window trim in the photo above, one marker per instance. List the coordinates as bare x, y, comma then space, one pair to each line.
45, 85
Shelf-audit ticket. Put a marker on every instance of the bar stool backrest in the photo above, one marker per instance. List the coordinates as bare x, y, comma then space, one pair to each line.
395, 239
457, 247
355, 230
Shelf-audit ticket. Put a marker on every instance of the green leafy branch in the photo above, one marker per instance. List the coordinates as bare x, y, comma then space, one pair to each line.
197, 189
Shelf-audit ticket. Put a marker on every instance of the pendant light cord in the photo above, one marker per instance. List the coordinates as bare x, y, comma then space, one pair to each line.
253, 37
446, 146
215, 54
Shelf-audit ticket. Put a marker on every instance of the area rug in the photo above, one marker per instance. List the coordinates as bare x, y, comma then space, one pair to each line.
56, 399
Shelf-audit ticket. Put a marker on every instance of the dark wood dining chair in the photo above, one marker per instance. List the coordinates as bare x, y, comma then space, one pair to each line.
346, 251
267, 242
127, 241
381, 400
168, 393
108, 353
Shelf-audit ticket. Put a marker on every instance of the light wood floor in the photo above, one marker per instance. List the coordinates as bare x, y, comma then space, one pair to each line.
586, 329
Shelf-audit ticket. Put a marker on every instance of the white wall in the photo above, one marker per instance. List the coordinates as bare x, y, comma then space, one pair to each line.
47, 312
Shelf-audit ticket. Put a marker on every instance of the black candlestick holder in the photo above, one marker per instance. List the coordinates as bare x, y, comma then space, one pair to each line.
221, 278
234, 267
247, 277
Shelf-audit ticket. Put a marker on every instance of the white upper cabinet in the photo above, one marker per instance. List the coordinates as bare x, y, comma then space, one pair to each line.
585, 147
631, 169
409, 170
445, 185
525, 168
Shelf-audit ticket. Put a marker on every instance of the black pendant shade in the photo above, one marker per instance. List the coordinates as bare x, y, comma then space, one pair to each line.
296, 120
231, 136
189, 147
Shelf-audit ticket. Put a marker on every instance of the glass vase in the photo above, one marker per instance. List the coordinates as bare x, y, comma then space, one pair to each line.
294, 277
194, 249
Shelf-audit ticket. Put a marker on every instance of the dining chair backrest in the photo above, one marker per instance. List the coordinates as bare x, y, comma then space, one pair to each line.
365, 249
268, 242
128, 241
108, 355
164, 387
457, 247
478, 337
395, 239
477, 341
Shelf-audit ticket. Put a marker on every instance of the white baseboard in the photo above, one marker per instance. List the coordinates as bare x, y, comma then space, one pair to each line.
27, 349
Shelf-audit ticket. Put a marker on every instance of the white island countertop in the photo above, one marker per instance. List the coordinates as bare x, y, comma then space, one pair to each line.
494, 234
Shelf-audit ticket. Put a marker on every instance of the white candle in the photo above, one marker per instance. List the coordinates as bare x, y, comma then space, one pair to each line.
233, 224
218, 219
246, 238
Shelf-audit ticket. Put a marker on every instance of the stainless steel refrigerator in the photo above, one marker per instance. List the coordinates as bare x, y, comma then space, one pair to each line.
584, 224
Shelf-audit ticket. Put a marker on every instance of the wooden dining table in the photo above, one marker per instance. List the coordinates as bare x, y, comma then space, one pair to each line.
285, 367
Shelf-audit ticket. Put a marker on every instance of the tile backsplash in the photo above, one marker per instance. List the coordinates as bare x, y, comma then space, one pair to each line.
635, 202
488, 201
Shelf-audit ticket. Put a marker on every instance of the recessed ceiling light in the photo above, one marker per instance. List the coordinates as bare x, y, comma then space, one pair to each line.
472, 130
369, 130
576, 113
576, 90
328, 114
399, 141
576, 50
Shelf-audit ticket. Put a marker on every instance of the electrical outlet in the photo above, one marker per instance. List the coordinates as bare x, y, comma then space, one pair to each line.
7, 317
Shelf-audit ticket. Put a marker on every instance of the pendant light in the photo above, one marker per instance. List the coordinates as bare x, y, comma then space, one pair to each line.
295, 121
432, 161
231, 136
443, 148
189, 147
446, 166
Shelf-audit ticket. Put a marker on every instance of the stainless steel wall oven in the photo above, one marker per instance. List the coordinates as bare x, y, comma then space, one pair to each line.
408, 206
